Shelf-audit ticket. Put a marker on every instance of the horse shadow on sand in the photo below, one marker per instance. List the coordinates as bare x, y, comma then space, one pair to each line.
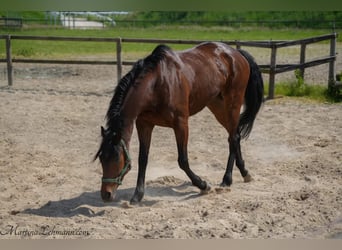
89, 203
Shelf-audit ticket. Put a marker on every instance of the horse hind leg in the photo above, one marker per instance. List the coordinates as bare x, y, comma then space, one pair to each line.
218, 108
228, 116
235, 151
240, 163
234, 157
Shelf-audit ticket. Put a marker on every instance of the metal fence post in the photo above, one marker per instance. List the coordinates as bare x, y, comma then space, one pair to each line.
118, 58
9, 60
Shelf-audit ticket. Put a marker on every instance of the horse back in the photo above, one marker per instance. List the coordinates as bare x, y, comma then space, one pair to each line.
187, 81
211, 70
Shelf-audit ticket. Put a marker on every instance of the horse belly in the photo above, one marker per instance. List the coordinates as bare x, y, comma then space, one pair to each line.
205, 86
199, 100
159, 118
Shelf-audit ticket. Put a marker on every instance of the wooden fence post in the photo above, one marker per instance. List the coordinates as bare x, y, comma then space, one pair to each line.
272, 72
9, 60
238, 45
331, 81
118, 58
302, 60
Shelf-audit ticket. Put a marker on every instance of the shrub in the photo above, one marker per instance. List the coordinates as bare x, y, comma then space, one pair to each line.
299, 87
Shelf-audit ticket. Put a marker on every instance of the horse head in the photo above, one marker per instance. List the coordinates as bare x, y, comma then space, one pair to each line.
115, 161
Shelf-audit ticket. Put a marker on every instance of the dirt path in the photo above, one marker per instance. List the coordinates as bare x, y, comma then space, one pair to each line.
50, 130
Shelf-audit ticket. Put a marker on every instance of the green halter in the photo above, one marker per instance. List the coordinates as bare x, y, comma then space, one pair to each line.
126, 168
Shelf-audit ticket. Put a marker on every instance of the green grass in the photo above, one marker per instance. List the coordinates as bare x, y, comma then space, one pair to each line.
319, 93
316, 92
24, 14
52, 49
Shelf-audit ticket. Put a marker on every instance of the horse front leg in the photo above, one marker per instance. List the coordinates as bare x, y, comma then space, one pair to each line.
144, 134
182, 132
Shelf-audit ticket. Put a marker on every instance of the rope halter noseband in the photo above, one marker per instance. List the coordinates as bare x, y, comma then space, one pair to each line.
126, 168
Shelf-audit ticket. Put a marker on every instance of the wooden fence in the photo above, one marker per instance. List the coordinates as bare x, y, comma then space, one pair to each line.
272, 68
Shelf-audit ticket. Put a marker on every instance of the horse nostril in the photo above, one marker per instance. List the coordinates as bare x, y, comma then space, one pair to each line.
106, 196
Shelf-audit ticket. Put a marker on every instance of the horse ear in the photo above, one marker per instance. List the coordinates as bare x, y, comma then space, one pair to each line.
103, 132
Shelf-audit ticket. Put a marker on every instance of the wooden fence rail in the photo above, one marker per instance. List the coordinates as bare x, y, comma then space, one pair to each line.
272, 68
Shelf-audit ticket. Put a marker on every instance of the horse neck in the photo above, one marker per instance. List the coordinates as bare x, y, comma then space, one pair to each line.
134, 104
127, 131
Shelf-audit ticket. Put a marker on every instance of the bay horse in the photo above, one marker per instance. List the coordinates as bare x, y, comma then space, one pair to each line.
167, 87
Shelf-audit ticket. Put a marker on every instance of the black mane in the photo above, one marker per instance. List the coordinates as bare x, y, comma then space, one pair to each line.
114, 117
141, 67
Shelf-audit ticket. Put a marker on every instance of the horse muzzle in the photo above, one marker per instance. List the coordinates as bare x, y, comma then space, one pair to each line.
108, 192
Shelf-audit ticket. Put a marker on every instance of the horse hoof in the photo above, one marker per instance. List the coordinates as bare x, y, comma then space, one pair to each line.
247, 178
127, 205
206, 190
135, 200
223, 185
137, 197
226, 182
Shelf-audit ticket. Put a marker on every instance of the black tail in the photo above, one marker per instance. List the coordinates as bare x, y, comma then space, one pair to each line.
254, 97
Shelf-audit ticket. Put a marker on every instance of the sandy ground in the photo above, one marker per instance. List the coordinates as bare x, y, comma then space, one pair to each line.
50, 130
